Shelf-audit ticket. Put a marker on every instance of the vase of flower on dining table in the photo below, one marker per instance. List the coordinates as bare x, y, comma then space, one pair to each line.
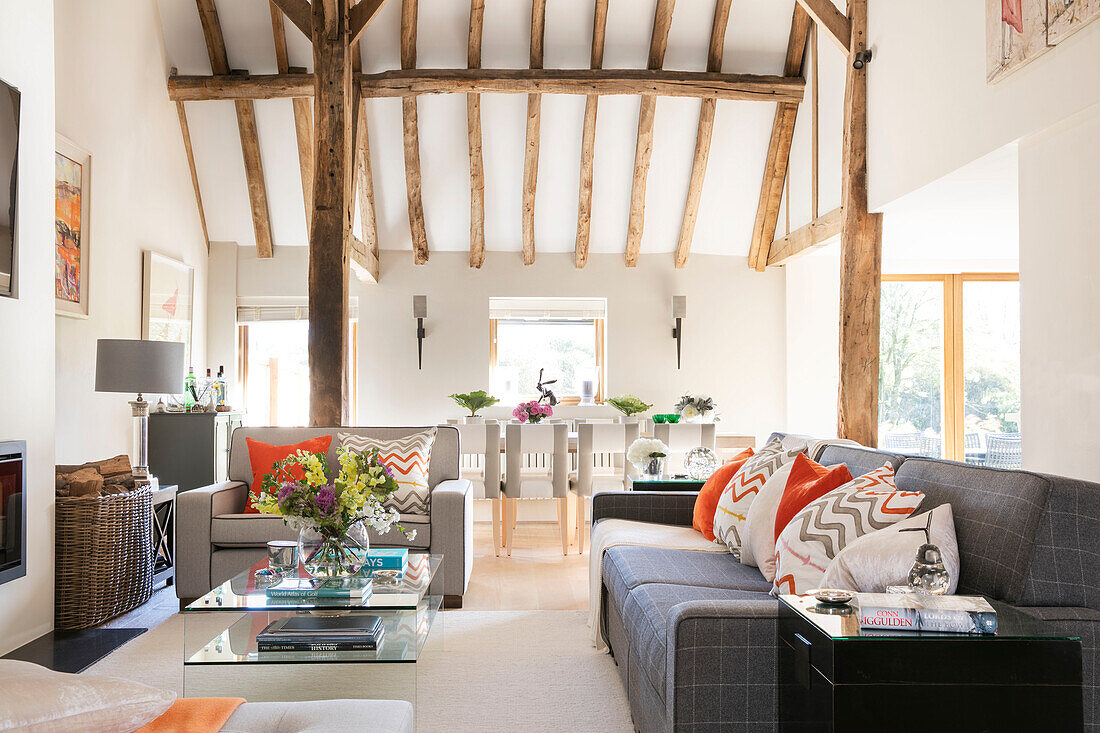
648, 455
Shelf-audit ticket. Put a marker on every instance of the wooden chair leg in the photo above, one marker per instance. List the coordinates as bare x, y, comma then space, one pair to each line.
515, 512
496, 526
509, 523
580, 524
563, 523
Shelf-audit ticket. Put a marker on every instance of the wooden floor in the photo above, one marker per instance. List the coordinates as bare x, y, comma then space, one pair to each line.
535, 577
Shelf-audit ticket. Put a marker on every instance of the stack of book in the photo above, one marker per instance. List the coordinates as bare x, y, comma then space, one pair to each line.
322, 634
387, 558
302, 589
892, 612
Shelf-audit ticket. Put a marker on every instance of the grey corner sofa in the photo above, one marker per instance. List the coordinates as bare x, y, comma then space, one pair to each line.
694, 633
215, 540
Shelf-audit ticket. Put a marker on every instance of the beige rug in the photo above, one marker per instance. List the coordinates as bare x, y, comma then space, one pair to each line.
482, 671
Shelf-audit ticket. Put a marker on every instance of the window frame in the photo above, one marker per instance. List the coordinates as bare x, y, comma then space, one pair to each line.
600, 350
954, 395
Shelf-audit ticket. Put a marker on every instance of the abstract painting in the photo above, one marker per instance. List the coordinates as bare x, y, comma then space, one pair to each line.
1019, 31
167, 301
72, 199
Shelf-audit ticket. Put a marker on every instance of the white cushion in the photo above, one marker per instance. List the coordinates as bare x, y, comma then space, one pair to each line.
737, 497
408, 458
758, 547
884, 558
826, 526
38, 699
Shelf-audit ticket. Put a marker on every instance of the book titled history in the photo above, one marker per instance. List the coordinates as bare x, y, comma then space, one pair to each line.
305, 588
277, 643
354, 632
387, 558
925, 612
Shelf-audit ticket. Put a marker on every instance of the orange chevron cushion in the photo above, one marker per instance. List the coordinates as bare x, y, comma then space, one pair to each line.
809, 480
263, 458
737, 497
827, 525
408, 457
702, 520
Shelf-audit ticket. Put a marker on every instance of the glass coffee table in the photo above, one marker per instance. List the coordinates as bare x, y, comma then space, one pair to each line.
221, 657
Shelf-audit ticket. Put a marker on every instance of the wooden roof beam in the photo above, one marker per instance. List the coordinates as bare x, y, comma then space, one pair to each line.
779, 148
411, 135
473, 125
531, 145
303, 114
832, 21
361, 15
299, 13
588, 141
643, 149
246, 125
368, 219
414, 82
703, 136
186, 131
802, 241
364, 261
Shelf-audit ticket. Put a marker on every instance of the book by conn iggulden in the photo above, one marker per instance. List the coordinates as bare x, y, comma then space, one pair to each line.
925, 612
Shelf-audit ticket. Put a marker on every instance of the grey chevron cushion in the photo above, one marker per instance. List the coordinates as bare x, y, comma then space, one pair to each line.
408, 457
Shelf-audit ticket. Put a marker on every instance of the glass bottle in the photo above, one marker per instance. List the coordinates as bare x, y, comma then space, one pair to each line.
190, 396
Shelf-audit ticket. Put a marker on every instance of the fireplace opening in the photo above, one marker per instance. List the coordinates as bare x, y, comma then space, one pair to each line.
13, 510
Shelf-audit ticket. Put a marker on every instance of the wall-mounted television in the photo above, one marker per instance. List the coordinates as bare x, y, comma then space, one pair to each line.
9, 177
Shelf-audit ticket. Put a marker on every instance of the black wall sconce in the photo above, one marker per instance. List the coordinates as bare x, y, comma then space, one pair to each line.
420, 312
679, 312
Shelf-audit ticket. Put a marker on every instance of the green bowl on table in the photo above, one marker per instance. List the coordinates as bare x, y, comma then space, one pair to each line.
666, 418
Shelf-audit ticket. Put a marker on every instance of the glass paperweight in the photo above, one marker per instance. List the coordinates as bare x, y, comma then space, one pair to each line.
928, 574
700, 463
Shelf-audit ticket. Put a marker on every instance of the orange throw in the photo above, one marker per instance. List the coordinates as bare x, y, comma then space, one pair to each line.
195, 715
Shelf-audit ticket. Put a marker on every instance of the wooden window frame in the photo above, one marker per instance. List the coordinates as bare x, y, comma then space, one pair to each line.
601, 359
953, 394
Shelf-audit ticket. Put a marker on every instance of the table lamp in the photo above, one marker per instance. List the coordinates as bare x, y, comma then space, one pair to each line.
133, 365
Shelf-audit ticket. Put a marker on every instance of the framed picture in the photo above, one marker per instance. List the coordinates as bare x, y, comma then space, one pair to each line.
9, 179
72, 207
167, 300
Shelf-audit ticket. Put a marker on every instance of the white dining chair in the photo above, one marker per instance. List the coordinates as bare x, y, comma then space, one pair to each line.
601, 464
536, 467
682, 437
479, 452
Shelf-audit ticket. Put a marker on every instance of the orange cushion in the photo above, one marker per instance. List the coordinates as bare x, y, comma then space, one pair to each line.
263, 458
707, 501
808, 481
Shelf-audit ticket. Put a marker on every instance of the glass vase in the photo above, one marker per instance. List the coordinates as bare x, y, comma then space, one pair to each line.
328, 556
653, 469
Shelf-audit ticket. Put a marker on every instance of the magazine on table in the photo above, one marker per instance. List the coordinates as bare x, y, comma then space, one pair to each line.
926, 612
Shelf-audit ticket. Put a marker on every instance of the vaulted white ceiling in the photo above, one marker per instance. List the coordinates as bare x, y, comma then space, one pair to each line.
756, 43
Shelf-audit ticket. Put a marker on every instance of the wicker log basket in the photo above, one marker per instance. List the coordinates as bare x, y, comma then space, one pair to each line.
104, 557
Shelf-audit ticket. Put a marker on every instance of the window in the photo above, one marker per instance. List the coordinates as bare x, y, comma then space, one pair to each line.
949, 373
562, 336
274, 364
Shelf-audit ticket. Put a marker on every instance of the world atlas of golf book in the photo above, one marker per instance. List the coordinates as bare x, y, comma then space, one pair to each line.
926, 612
302, 588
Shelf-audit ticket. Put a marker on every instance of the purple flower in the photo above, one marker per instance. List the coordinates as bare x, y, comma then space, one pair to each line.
285, 492
325, 500
387, 470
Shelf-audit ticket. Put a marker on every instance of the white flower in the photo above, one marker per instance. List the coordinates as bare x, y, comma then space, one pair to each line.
690, 411
642, 449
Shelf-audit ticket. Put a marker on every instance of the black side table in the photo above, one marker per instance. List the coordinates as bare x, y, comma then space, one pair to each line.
835, 677
164, 535
666, 484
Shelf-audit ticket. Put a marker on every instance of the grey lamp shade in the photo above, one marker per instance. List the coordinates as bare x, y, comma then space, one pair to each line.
133, 365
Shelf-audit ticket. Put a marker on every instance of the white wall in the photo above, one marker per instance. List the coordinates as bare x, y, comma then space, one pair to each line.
111, 100
1060, 298
744, 372
27, 322
813, 342
930, 110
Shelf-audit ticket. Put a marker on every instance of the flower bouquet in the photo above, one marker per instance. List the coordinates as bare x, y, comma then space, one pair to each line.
532, 412
648, 455
697, 408
332, 517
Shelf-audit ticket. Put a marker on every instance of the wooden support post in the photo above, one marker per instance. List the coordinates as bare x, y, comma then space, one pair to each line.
303, 113
588, 141
361, 16
186, 130
333, 196
643, 150
531, 148
246, 124
779, 149
473, 124
411, 133
860, 259
703, 135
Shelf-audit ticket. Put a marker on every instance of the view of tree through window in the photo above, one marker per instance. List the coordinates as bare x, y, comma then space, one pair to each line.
566, 350
949, 378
